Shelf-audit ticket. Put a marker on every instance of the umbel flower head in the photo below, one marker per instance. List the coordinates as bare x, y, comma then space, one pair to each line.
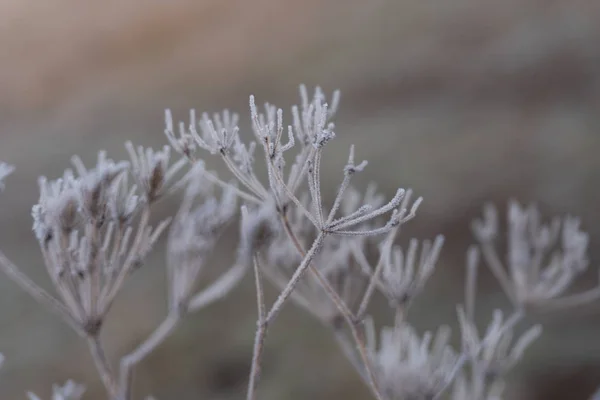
497, 351
409, 367
84, 226
543, 259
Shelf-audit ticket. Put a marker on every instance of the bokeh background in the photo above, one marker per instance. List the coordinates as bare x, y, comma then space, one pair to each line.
465, 101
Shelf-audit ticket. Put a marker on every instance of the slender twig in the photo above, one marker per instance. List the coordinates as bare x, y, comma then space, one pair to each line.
493, 261
246, 196
219, 288
102, 365
572, 300
374, 280
261, 333
471, 281
348, 349
510, 323
39, 294
298, 274
350, 318
128, 362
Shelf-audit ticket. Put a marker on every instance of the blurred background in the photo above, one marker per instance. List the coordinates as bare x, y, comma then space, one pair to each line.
465, 101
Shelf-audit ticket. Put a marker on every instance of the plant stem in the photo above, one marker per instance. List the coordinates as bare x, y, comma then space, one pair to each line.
102, 365
298, 274
349, 317
261, 333
39, 294
142, 351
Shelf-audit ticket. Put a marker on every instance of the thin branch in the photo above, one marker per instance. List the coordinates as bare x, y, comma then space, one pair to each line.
39, 294
362, 309
219, 288
128, 362
246, 196
471, 281
349, 317
215, 291
510, 323
494, 263
572, 300
347, 347
298, 274
102, 365
261, 333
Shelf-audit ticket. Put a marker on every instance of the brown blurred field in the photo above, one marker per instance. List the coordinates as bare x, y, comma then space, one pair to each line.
464, 101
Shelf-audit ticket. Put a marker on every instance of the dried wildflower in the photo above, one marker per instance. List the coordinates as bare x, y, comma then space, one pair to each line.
409, 367
401, 280
312, 118
69, 391
193, 235
335, 262
218, 134
543, 260
495, 353
85, 225
84, 228
185, 143
57, 211
490, 357
95, 186
5, 170
152, 171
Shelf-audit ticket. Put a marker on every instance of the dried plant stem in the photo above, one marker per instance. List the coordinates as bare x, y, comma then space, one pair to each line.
510, 323
39, 294
347, 346
364, 304
347, 314
493, 261
261, 333
573, 300
142, 351
399, 316
298, 274
471, 282
265, 319
102, 365
366, 359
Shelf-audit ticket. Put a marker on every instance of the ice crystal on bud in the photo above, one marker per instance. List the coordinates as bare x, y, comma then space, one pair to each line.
151, 169
95, 186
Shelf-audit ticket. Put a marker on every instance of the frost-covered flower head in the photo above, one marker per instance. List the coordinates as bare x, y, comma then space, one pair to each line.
409, 367
543, 260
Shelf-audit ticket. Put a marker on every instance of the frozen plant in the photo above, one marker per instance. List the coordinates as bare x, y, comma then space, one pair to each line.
542, 260
94, 231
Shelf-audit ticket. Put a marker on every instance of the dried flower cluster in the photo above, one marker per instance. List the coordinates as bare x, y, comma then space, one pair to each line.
329, 258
